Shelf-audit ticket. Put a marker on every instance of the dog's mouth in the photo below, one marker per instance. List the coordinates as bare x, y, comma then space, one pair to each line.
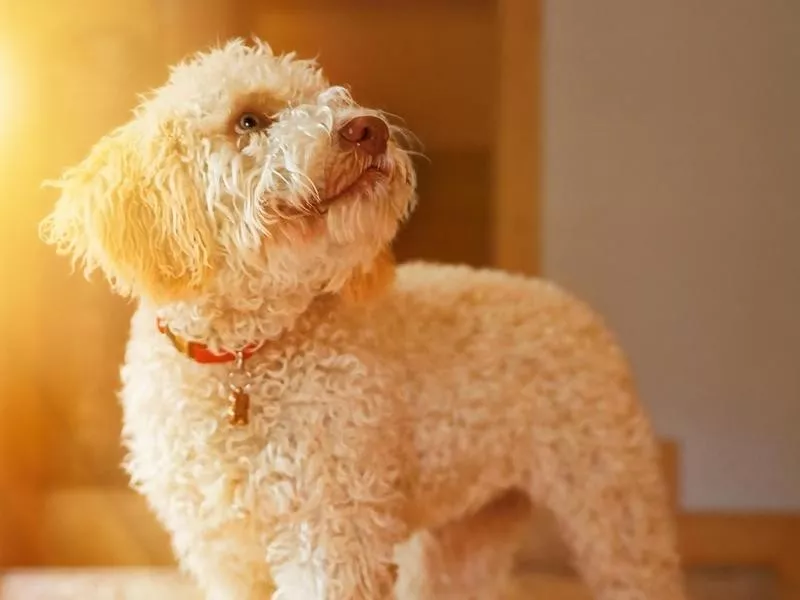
377, 170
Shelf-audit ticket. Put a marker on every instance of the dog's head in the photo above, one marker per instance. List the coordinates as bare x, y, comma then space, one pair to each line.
246, 171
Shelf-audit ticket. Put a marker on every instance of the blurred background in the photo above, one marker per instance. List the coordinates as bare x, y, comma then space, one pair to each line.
645, 154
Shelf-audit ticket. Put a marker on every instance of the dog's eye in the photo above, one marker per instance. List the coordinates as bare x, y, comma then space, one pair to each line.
249, 122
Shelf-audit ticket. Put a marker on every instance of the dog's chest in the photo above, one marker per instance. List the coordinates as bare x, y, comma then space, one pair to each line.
187, 456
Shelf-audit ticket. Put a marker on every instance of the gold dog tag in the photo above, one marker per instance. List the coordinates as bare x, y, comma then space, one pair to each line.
238, 406
238, 397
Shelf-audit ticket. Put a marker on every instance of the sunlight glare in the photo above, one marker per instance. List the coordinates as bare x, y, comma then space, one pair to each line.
7, 93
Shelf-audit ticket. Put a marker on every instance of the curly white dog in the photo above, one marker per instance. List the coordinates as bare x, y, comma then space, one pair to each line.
302, 418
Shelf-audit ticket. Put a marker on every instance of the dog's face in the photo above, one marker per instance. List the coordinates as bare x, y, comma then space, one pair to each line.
246, 171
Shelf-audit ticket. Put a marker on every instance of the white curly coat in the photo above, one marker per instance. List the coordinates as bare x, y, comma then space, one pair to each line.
404, 418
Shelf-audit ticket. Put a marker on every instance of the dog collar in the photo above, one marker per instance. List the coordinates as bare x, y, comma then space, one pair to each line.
201, 353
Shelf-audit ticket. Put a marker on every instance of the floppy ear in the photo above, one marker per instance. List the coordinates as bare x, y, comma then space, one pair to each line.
368, 282
133, 209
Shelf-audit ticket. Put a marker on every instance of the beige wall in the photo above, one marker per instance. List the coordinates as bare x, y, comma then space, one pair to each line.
672, 202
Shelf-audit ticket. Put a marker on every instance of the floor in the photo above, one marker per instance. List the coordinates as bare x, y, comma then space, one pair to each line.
166, 585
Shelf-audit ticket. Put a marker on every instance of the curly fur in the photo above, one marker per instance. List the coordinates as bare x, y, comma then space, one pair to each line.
398, 418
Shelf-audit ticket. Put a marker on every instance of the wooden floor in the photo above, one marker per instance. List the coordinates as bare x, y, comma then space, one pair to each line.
155, 584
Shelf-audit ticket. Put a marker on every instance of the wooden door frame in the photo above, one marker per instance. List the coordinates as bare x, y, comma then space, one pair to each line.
517, 168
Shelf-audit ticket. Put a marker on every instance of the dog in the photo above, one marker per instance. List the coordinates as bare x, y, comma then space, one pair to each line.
310, 422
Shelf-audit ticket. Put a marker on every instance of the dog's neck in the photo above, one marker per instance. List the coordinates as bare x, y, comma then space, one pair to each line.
234, 321
225, 324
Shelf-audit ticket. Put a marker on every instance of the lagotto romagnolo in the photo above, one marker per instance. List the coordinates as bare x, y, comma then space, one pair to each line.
310, 422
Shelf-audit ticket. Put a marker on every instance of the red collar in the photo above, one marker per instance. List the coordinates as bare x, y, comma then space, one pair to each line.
201, 353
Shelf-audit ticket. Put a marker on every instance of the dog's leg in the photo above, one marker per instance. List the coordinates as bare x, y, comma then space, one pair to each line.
346, 556
336, 541
222, 567
468, 559
596, 468
238, 590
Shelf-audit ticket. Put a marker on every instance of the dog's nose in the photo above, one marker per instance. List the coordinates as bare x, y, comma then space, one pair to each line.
368, 133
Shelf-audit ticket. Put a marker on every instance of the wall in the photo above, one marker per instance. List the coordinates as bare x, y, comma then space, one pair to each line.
672, 202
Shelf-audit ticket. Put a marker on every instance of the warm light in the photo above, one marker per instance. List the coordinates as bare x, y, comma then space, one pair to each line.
8, 93
5, 92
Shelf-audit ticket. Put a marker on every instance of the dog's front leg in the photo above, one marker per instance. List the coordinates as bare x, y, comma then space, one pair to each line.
344, 554
342, 500
344, 513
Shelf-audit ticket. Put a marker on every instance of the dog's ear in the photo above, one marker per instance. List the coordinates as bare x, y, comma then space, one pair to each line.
133, 209
367, 282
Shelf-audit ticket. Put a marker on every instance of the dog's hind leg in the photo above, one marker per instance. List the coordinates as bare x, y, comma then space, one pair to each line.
468, 559
596, 467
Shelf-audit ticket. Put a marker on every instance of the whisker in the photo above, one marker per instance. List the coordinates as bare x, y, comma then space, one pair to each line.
310, 186
391, 116
280, 176
406, 138
300, 178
